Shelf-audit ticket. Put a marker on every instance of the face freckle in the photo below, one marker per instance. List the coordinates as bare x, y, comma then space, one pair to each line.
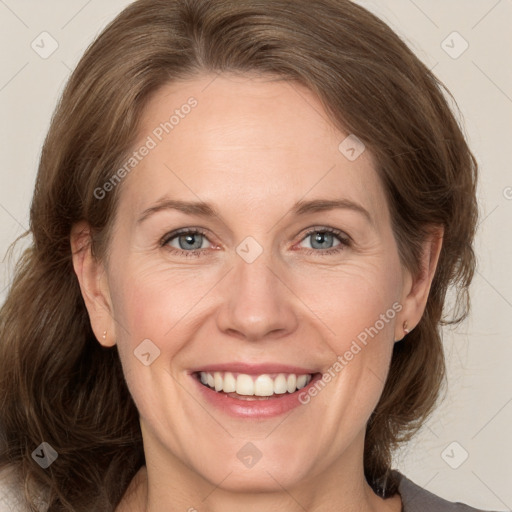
258, 289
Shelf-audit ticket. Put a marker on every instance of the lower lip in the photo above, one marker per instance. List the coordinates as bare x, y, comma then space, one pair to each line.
254, 409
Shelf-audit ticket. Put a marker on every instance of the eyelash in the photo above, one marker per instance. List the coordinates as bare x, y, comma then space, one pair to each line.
343, 238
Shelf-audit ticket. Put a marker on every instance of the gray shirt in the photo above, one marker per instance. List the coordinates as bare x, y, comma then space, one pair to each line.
417, 499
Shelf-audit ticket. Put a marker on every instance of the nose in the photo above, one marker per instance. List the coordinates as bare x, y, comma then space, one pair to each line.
257, 303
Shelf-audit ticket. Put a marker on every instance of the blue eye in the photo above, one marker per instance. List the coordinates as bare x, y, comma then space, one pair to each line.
326, 236
321, 238
190, 241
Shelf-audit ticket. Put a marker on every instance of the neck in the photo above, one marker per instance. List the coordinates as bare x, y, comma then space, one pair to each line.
170, 485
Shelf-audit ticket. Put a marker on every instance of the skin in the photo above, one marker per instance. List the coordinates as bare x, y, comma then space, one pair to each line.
252, 147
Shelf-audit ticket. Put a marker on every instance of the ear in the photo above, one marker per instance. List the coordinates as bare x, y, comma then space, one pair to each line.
92, 278
416, 288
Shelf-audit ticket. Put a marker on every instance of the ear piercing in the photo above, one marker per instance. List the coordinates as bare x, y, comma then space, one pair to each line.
104, 335
406, 331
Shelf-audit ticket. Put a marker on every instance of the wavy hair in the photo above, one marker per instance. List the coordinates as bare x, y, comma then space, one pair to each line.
57, 383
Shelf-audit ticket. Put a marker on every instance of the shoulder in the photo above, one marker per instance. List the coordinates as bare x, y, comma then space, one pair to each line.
11, 493
417, 499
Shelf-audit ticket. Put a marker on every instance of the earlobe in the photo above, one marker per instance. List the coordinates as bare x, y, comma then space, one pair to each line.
417, 288
91, 276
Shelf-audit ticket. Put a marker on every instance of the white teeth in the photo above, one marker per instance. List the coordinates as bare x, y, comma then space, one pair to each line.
217, 378
280, 386
263, 386
229, 383
250, 385
301, 381
244, 385
292, 382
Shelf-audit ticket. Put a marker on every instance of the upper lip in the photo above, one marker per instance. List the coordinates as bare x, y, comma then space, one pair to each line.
254, 369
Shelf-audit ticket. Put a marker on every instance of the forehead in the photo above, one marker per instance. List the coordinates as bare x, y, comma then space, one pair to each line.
226, 137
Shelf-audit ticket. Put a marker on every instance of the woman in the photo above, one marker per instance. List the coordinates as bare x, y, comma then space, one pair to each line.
246, 219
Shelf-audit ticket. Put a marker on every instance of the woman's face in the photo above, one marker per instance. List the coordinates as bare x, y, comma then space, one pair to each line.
261, 287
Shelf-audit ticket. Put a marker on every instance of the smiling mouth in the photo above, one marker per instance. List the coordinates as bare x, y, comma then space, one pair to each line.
243, 386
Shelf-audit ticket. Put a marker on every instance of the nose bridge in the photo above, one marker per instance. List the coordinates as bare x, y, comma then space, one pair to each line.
258, 302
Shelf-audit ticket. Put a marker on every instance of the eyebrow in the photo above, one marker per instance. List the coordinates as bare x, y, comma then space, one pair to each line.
203, 209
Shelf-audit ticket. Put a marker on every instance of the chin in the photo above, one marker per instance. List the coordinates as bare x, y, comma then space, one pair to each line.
261, 478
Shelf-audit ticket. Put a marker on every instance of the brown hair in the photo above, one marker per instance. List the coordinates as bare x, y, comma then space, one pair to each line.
57, 384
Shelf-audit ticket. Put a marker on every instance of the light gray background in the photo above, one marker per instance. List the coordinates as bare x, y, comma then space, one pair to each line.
476, 413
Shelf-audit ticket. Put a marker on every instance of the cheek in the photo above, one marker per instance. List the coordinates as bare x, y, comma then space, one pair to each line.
357, 302
359, 310
148, 303
151, 300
